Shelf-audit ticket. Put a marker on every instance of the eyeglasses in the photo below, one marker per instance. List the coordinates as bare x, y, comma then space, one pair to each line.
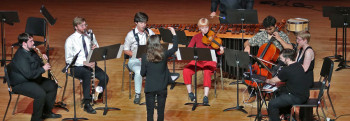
83, 25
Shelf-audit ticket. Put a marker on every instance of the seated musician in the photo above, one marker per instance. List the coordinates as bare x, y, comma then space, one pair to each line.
80, 41
133, 39
207, 66
296, 91
25, 79
281, 42
305, 55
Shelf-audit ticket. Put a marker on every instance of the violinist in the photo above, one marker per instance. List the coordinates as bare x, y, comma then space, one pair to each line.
207, 66
281, 41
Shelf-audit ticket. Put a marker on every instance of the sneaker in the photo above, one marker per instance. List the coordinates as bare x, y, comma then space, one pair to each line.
250, 99
137, 98
88, 108
191, 95
98, 93
205, 100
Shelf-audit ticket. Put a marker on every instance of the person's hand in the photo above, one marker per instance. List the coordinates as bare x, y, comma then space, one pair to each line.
91, 64
140, 59
277, 36
172, 30
93, 47
47, 66
222, 50
247, 49
212, 14
45, 57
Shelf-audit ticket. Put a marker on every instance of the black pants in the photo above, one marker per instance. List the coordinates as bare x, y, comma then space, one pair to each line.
150, 100
84, 73
282, 104
44, 94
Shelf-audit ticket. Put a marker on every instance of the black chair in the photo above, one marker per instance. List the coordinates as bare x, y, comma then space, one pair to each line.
131, 73
315, 102
36, 27
326, 77
7, 71
65, 85
218, 66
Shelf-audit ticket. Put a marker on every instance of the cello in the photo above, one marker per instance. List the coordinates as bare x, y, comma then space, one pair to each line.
268, 52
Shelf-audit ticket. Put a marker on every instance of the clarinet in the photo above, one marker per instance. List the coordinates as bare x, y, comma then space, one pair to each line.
94, 97
45, 62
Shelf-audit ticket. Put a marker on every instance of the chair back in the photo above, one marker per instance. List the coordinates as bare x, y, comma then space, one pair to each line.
7, 69
36, 26
321, 92
327, 67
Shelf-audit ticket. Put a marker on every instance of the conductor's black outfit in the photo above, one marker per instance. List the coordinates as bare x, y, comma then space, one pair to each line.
157, 78
26, 70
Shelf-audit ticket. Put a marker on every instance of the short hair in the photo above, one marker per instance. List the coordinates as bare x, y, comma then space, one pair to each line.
140, 17
24, 37
269, 21
305, 35
78, 20
203, 22
289, 53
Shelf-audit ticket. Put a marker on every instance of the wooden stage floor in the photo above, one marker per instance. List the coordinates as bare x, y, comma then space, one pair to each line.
112, 19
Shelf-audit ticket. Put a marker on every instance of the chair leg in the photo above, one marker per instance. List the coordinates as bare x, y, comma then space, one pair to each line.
130, 77
324, 115
318, 115
123, 76
215, 83
14, 108
8, 105
330, 101
221, 78
81, 94
291, 114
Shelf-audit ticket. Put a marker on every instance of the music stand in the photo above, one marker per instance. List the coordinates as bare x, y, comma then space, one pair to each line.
103, 54
247, 16
197, 54
167, 36
237, 59
8, 17
342, 19
327, 12
72, 72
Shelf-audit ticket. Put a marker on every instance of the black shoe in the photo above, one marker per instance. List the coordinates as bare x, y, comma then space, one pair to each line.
205, 100
88, 108
137, 98
100, 96
51, 115
191, 95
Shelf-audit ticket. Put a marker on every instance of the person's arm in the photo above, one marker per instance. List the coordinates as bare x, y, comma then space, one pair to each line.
284, 40
309, 56
273, 80
214, 6
175, 44
247, 46
68, 49
143, 66
30, 70
128, 44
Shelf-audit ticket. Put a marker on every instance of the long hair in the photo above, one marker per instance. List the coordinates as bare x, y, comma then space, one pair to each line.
154, 49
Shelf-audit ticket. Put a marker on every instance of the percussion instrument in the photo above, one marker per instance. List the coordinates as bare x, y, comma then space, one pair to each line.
297, 24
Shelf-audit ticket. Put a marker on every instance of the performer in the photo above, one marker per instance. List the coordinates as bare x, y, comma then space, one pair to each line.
296, 91
81, 41
207, 66
26, 79
135, 37
306, 55
263, 37
154, 67
229, 5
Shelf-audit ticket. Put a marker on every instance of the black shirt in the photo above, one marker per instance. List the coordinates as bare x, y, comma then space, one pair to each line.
294, 77
157, 74
26, 66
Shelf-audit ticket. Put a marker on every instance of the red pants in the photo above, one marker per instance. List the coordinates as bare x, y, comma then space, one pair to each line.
207, 66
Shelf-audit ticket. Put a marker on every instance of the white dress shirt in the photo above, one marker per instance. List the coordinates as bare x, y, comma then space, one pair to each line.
131, 43
74, 44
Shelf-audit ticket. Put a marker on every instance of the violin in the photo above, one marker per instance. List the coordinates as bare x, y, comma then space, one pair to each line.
211, 39
268, 52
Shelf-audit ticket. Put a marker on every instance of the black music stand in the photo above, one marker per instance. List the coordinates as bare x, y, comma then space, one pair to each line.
237, 59
197, 54
8, 17
327, 12
247, 16
105, 53
342, 19
72, 72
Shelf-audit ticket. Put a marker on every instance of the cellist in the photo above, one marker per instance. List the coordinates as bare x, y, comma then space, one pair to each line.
282, 42
207, 66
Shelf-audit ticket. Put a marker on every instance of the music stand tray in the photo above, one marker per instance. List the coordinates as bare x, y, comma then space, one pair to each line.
8, 17
167, 36
249, 16
103, 54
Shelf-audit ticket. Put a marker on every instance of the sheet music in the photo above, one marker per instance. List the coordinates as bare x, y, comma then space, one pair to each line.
120, 51
178, 55
174, 77
213, 55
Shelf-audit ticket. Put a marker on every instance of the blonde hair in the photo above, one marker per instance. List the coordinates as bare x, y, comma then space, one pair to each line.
203, 22
77, 20
304, 35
